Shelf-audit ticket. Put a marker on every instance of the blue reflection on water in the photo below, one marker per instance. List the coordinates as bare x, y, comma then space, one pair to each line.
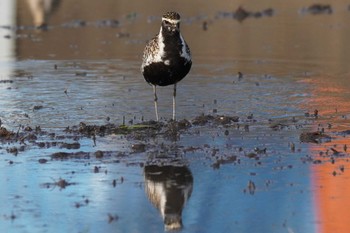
220, 201
220, 204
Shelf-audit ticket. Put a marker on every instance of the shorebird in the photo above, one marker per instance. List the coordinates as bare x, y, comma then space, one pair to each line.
169, 188
166, 57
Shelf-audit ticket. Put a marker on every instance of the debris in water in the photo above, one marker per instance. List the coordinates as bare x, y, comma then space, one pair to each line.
139, 147
61, 183
250, 188
112, 218
225, 160
98, 154
42, 161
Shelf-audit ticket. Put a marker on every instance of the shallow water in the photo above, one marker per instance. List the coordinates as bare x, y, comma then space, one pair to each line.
254, 175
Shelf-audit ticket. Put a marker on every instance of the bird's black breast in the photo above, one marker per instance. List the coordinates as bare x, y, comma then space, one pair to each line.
161, 74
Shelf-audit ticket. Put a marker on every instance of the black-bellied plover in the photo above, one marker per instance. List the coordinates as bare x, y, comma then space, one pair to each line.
166, 58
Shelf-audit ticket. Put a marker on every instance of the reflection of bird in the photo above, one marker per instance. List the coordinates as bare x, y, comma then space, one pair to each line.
168, 188
166, 58
41, 10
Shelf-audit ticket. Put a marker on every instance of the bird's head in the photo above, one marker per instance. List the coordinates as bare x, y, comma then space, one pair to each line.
171, 22
172, 222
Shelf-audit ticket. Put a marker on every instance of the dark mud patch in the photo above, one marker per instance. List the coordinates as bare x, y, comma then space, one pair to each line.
42, 161
139, 131
138, 147
15, 150
66, 155
37, 107
6, 81
27, 137
314, 137
108, 129
70, 146
24, 133
88, 155
60, 183
226, 160
6, 134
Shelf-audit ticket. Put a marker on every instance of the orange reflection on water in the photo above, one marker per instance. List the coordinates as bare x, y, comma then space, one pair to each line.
332, 195
330, 96
331, 175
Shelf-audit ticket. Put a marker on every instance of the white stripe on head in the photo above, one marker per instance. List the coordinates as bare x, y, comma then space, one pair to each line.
172, 21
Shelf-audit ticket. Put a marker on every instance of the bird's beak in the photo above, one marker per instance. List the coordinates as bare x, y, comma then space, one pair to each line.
174, 27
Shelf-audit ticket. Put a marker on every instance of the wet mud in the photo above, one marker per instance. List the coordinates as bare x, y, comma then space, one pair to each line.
144, 138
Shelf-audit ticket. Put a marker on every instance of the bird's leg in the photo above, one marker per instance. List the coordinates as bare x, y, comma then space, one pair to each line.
174, 102
155, 101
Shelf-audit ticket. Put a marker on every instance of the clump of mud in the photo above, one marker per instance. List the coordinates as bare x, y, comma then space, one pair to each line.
149, 129
60, 183
5, 134
314, 137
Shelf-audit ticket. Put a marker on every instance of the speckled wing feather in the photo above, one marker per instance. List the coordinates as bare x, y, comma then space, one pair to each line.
150, 52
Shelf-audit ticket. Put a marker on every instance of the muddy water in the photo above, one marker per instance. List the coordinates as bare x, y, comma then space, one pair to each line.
258, 174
